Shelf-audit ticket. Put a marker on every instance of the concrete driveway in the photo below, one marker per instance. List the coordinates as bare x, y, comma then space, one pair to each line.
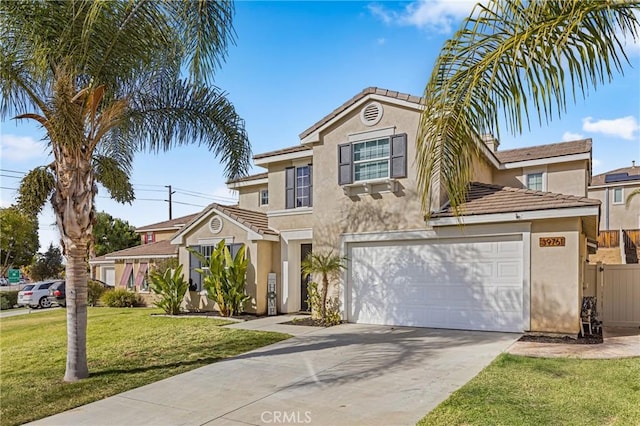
346, 375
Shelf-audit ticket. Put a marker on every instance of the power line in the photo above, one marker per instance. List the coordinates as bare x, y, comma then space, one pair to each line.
5, 187
13, 177
12, 171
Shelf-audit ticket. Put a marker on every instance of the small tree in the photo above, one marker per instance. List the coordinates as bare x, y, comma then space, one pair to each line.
224, 278
18, 239
112, 234
171, 288
47, 264
329, 266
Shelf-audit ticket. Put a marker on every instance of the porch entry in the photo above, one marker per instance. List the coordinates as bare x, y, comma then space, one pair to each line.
305, 249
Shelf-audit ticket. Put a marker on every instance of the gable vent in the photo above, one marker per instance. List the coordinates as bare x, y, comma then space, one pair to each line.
215, 224
371, 114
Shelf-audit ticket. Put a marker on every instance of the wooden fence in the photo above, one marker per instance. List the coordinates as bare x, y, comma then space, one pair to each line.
608, 239
633, 236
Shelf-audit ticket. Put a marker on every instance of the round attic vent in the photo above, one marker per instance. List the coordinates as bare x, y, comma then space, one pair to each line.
215, 224
371, 114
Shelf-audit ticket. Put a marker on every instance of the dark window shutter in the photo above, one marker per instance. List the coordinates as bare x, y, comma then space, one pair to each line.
290, 185
345, 164
234, 248
310, 185
398, 156
195, 279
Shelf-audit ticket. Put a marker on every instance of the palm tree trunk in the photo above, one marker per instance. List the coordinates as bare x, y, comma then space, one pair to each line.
325, 291
76, 277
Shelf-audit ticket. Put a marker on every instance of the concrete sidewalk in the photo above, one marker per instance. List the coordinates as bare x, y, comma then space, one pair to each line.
345, 375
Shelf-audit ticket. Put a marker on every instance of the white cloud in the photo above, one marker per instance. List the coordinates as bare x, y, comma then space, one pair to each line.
20, 148
624, 127
381, 41
569, 136
438, 15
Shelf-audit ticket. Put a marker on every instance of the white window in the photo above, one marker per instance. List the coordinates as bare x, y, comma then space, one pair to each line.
371, 160
534, 181
618, 195
303, 186
264, 197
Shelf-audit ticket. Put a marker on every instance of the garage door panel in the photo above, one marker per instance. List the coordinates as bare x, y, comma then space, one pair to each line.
466, 285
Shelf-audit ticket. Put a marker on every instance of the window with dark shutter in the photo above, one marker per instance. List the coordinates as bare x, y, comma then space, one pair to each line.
398, 156
290, 187
345, 164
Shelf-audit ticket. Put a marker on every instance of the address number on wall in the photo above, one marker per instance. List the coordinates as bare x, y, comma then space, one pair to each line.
552, 241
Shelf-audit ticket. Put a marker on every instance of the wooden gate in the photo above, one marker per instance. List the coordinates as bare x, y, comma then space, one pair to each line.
618, 290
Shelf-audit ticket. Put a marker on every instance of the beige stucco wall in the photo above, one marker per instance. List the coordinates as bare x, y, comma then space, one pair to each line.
258, 253
620, 216
562, 178
336, 213
482, 170
249, 198
556, 285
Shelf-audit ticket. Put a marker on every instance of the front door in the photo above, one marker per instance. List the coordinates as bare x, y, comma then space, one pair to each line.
305, 249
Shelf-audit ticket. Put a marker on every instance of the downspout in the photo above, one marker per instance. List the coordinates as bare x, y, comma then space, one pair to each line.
606, 209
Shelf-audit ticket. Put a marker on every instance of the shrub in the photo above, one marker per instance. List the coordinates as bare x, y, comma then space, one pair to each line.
8, 299
332, 308
95, 291
170, 288
121, 298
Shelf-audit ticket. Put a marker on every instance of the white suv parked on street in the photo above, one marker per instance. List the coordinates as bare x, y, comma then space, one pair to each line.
35, 295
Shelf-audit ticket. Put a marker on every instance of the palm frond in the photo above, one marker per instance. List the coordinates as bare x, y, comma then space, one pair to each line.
508, 59
177, 112
35, 189
114, 178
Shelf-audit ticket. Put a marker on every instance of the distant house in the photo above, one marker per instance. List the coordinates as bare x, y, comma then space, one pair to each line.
612, 189
129, 268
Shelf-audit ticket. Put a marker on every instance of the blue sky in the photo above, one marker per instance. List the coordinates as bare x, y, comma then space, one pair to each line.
293, 63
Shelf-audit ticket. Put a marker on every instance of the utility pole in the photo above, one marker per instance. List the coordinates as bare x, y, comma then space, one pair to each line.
169, 200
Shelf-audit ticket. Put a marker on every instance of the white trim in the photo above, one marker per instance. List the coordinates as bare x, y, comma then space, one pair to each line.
251, 234
290, 212
615, 184
101, 262
315, 135
252, 182
378, 117
515, 216
371, 134
283, 157
297, 234
169, 228
613, 196
213, 241
544, 161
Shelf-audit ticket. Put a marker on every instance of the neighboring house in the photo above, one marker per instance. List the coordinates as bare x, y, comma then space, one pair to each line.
612, 189
129, 268
350, 186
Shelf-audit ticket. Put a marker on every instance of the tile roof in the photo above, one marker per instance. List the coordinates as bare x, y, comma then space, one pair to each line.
483, 198
256, 221
176, 223
356, 98
631, 171
290, 150
159, 248
249, 178
544, 151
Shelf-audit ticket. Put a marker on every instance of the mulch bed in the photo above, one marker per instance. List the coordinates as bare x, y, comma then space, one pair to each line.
589, 339
308, 321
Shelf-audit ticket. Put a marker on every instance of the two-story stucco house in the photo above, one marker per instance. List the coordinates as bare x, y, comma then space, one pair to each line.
349, 185
612, 189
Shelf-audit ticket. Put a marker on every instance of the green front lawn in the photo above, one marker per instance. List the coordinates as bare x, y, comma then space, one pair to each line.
126, 348
516, 390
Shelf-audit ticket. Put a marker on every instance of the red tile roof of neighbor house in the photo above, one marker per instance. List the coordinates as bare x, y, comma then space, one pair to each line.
368, 91
483, 198
290, 150
544, 151
631, 171
176, 223
250, 177
159, 248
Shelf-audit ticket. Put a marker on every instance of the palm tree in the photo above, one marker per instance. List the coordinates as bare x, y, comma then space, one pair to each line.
104, 80
328, 265
511, 59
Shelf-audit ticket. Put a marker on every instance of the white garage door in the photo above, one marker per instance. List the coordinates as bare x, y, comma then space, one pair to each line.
468, 284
